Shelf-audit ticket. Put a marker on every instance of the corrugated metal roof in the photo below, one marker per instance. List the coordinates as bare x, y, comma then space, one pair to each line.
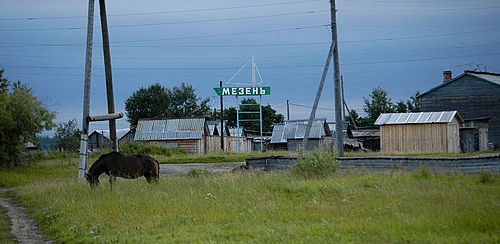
169, 129
417, 118
296, 129
488, 77
331, 126
119, 133
233, 132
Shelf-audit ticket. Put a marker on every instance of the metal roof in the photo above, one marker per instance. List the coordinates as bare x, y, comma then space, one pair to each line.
119, 133
495, 78
296, 129
233, 132
417, 118
345, 126
169, 129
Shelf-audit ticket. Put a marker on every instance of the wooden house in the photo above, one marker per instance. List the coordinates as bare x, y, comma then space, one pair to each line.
419, 133
290, 135
476, 96
99, 139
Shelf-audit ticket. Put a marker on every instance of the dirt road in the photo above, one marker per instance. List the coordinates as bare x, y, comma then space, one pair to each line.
182, 169
23, 228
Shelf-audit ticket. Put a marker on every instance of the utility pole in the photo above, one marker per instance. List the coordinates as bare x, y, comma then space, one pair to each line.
83, 161
288, 109
343, 100
339, 124
338, 109
221, 121
109, 76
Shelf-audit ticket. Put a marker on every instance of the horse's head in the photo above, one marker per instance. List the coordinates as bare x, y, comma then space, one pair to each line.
92, 180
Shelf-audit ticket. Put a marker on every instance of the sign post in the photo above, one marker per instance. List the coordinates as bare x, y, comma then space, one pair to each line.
245, 91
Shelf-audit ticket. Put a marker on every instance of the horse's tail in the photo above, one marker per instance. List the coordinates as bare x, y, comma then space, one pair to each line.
157, 168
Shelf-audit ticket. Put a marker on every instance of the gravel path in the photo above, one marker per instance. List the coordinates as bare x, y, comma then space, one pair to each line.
182, 169
23, 228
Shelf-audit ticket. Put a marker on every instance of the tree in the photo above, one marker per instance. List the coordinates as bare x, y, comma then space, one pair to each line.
269, 116
67, 136
413, 104
376, 104
22, 117
354, 119
157, 102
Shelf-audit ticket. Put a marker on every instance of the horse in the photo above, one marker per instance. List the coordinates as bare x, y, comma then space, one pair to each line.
124, 166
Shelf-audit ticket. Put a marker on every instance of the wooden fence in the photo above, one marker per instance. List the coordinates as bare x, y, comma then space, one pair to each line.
230, 144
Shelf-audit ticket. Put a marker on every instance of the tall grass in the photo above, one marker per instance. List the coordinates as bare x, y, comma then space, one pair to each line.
271, 207
317, 163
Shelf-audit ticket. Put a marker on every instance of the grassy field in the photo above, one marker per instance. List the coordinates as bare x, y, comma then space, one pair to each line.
262, 207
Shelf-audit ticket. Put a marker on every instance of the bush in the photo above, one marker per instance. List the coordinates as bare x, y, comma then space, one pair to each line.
486, 177
143, 148
194, 173
318, 163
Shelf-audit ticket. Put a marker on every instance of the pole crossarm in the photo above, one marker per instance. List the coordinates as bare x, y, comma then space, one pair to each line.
105, 117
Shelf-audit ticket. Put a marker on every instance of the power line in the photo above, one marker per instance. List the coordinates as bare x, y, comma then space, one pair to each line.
172, 23
247, 45
305, 106
263, 67
250, 45
167, 12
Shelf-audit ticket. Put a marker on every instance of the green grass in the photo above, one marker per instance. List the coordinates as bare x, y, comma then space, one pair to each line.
270, 207
397, 207
217, 157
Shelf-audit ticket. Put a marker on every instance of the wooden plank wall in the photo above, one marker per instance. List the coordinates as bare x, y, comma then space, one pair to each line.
414, 138
230, 144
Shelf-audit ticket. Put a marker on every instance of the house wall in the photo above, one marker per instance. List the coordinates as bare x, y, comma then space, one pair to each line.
189, 145
415, 138
472, 98
97, 141
230, 144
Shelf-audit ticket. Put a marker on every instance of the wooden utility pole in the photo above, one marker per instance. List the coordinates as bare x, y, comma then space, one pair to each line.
338, 109
82, 165
109, 76
288, 109
339, 124
221, 120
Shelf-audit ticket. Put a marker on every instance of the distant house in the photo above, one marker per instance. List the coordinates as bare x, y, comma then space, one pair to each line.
418, 133
126, 138
234, 132
31, 147
346, 130
369, 138
99, 139
214, 128
476, 96
289, 135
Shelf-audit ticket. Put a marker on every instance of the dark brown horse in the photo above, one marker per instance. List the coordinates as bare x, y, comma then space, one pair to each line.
125, 166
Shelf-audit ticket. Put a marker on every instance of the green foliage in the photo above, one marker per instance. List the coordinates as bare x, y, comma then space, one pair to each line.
157, 102
143, 148
377, 103
67, 136
194, 172
317, 163
269, 116
22, 116
486, 177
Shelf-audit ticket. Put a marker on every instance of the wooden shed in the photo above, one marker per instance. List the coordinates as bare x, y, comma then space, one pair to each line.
418, 133
186, 134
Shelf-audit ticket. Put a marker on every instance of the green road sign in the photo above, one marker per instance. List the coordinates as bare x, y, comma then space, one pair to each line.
243, 91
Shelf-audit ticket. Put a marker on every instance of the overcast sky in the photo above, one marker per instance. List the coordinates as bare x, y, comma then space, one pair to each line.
400, 45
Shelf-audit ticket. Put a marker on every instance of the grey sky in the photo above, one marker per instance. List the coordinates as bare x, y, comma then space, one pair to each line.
401, 46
